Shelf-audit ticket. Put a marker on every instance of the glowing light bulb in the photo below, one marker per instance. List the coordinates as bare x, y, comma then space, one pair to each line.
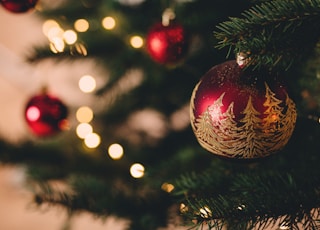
167, 187
136, 41
183, 208
57, 45
54, 33
48, 25
81, 25
205, 212
84, 114
92, 140
108, 23
137, 170
70, 37
87, 84
115, 151
83, 129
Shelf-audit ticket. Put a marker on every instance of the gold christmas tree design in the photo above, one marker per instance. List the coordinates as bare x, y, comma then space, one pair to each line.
250, 142
252, 136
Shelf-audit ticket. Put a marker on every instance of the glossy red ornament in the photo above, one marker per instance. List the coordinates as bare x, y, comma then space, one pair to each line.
46, 115
241, 114
167, 44
18, 6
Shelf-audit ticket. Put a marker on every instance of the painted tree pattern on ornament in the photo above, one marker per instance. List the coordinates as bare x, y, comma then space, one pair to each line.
252, 136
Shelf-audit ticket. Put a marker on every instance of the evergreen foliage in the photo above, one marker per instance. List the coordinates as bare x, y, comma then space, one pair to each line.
282, 190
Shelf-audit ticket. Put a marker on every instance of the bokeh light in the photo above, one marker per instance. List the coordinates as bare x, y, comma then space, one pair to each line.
87, 84
57, 45
137, 170
70, 37
54, 33
115, 151
92, 140
167, 187
81, 25
136, 41
83, 129
108, 23
84, 114
48, 25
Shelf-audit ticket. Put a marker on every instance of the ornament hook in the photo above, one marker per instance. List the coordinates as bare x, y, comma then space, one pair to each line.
167, 15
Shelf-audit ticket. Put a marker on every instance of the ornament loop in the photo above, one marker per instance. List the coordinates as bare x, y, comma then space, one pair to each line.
167, 15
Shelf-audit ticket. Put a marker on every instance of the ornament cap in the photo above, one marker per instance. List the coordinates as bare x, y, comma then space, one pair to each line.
242, 59
167, 16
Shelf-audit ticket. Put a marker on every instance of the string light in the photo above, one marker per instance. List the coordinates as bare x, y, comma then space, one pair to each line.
87, 84
57, 45
48, 25
115, 151
167, 187
205, 212
92, 140
70, 37
108, 23
183, 208
83, 129
84, 114
81, 25
54, 33
136, 41
137, 170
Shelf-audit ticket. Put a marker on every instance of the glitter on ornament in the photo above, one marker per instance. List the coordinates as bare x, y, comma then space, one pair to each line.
235, 115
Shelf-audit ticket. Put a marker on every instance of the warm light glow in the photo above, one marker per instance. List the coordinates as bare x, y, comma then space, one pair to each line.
108, 23
136, 42
81, 49
115, 151
33, 113
241, 207
83, 129
137, 170
84, 114
167, 187
70, 37
57, 45
81, 25
54, 33
183, 208
87, 84
48, 25
205, 212
92, 140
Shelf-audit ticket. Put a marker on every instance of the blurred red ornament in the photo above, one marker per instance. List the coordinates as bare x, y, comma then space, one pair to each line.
46, 115
18, 6
237, 114
167, 44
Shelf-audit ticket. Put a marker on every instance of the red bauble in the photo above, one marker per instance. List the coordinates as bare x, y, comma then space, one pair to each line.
237, 114
18, 6
46, 115
167, 44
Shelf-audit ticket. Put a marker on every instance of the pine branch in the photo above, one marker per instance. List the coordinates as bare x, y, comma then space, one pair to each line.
275, 33
281, 190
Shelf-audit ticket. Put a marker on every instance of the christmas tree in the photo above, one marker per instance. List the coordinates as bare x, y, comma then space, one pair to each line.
134, 154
